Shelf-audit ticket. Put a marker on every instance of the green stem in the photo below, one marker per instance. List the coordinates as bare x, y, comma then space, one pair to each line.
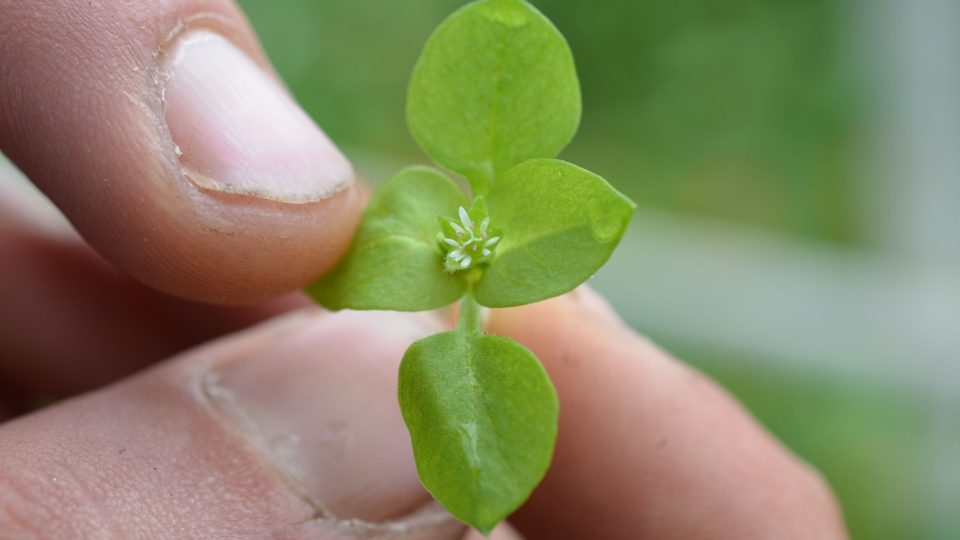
470, 322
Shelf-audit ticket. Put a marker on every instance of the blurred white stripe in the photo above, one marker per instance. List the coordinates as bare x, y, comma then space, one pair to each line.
912, 161
758, 295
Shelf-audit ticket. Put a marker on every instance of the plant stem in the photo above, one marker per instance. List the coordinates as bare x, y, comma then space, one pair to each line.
470, 316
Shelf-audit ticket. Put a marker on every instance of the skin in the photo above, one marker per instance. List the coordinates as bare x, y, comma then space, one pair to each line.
172, 406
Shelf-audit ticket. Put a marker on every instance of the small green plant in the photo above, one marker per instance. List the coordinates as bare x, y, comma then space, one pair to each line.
494, 97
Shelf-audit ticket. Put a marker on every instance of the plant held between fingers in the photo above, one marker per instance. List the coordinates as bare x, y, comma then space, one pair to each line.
494, 97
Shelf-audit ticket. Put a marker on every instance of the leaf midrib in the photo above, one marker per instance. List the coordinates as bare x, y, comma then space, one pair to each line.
495, 100
477, 403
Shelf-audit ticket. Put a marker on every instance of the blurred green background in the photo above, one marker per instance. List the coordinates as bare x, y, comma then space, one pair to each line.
743, 123
738, 109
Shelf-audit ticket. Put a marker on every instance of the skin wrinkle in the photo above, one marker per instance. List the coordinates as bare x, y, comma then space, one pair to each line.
201, 375
119, 500
221, 399
48, 497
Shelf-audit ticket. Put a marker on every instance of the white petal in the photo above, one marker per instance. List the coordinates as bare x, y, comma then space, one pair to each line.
455, 254
450, 242
486, 252
466, 262
465, 219
492, 241
458, 228
483, 225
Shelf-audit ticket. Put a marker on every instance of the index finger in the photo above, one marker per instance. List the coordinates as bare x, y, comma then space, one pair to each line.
648, 448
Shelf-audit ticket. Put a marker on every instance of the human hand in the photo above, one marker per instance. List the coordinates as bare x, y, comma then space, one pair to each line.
289, 429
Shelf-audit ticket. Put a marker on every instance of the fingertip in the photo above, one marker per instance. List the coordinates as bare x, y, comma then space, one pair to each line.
648, 447
583, 303
235, 249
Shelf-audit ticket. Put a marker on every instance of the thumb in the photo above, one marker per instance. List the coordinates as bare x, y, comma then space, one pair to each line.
162, 133
291, 430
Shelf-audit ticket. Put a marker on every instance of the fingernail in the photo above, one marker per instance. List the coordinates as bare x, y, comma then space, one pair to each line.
320, 403
236, 130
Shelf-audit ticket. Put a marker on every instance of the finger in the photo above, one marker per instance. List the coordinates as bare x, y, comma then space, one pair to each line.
72, 322
649, 448
161, 132
290, 430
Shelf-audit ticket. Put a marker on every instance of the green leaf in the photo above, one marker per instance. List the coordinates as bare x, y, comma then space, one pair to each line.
494, 86
394, 262
482, 415
560, 225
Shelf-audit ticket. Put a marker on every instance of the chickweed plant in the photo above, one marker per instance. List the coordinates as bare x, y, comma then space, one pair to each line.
493, 98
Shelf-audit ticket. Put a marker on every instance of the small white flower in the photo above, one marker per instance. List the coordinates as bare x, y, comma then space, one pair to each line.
470, 244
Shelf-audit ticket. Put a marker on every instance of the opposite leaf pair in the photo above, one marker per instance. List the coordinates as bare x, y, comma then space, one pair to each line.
553, 223
493, 97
